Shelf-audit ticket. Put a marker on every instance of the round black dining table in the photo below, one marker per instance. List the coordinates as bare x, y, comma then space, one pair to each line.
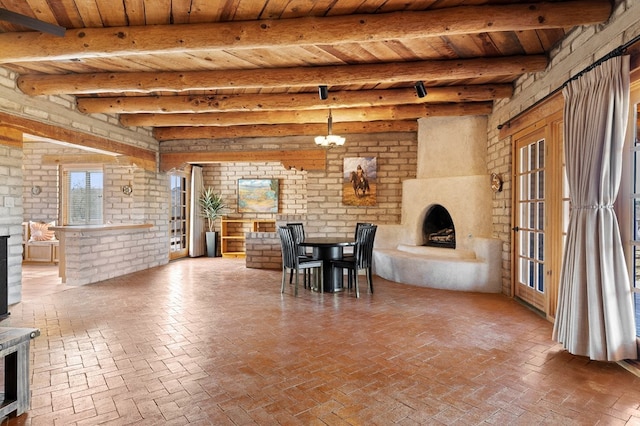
326, 249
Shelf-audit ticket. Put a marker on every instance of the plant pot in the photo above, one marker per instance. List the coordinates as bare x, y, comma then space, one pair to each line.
212, 239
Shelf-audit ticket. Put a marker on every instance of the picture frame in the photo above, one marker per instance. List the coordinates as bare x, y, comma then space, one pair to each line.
360, 176
258, 195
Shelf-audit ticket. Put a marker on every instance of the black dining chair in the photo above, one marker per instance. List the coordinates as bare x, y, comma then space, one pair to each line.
293, 262
362, 259
349, 250
298, 235
358, 225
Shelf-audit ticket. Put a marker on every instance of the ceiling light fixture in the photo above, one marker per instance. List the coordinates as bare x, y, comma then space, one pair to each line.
421, 91
330, 139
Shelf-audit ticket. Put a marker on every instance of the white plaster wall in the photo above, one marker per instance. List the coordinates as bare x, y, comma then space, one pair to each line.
451, 172
452, 146
466, 198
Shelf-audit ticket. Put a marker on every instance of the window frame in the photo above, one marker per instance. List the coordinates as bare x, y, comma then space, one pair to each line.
64, 182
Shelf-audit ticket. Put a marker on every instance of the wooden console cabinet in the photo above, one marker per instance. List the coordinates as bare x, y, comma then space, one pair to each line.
232, 237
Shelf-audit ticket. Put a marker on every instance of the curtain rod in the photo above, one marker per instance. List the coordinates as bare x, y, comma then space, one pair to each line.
618, 51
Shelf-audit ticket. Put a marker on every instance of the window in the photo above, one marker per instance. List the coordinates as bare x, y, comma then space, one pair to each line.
82, 196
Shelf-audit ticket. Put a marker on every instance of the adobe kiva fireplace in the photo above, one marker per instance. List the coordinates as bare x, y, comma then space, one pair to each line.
445, 238
438, 229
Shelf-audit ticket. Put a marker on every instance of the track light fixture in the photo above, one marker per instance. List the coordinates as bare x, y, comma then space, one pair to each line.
323, 92
421, 91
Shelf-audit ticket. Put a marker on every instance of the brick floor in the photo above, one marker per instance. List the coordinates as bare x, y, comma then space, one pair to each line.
209, 342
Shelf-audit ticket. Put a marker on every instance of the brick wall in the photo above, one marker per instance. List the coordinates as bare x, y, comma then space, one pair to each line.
93, 256
118, 207
316, 196
582, 47
263, 250
146, 203
11, 216
223, 177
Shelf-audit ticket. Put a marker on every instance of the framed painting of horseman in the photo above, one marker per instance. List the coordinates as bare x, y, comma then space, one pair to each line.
359, 183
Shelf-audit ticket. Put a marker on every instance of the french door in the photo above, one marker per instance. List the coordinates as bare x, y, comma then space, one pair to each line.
629, 196
540, 212
179, 215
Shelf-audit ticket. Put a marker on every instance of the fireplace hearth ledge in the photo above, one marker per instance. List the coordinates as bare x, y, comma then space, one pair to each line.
475, 270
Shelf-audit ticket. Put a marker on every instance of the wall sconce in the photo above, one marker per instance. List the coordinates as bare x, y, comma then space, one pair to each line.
496, 182
127, 190
323, 92
36, 190
421, 91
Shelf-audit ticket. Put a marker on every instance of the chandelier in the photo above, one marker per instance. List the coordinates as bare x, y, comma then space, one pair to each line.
330, 139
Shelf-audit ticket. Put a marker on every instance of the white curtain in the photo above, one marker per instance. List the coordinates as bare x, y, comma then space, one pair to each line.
197, 245
595, 307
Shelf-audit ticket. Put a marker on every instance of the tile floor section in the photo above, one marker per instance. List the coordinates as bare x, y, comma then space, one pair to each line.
209, 342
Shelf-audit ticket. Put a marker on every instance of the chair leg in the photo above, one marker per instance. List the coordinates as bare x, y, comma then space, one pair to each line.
370, 280
355, 274
284, 275
295, 291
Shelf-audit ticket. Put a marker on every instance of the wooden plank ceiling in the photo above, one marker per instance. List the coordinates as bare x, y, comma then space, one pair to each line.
234, 68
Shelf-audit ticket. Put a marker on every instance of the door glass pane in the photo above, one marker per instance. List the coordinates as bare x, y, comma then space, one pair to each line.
178, 219
635, 219
531, 215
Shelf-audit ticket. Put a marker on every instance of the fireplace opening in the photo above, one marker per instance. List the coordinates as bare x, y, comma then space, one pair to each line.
438, 229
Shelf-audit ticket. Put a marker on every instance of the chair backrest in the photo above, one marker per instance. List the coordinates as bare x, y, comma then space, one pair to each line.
359, 224
365, 237
298, 235
288, 244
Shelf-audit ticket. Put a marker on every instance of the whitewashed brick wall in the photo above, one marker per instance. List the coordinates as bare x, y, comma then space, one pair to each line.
147, 203
11, 217
97, 256
118, 207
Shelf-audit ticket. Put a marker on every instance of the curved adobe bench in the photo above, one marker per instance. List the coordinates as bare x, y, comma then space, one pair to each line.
476, 270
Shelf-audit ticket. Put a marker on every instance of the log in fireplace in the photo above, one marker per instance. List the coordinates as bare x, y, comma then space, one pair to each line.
438, 229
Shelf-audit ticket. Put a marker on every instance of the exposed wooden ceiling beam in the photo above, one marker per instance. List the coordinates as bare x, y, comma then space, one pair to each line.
303, 159
278, 130
143, 158
286, 101
158, 39
398, 112
142, 82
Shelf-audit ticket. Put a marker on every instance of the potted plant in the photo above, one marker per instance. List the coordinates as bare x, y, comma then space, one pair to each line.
212, 207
